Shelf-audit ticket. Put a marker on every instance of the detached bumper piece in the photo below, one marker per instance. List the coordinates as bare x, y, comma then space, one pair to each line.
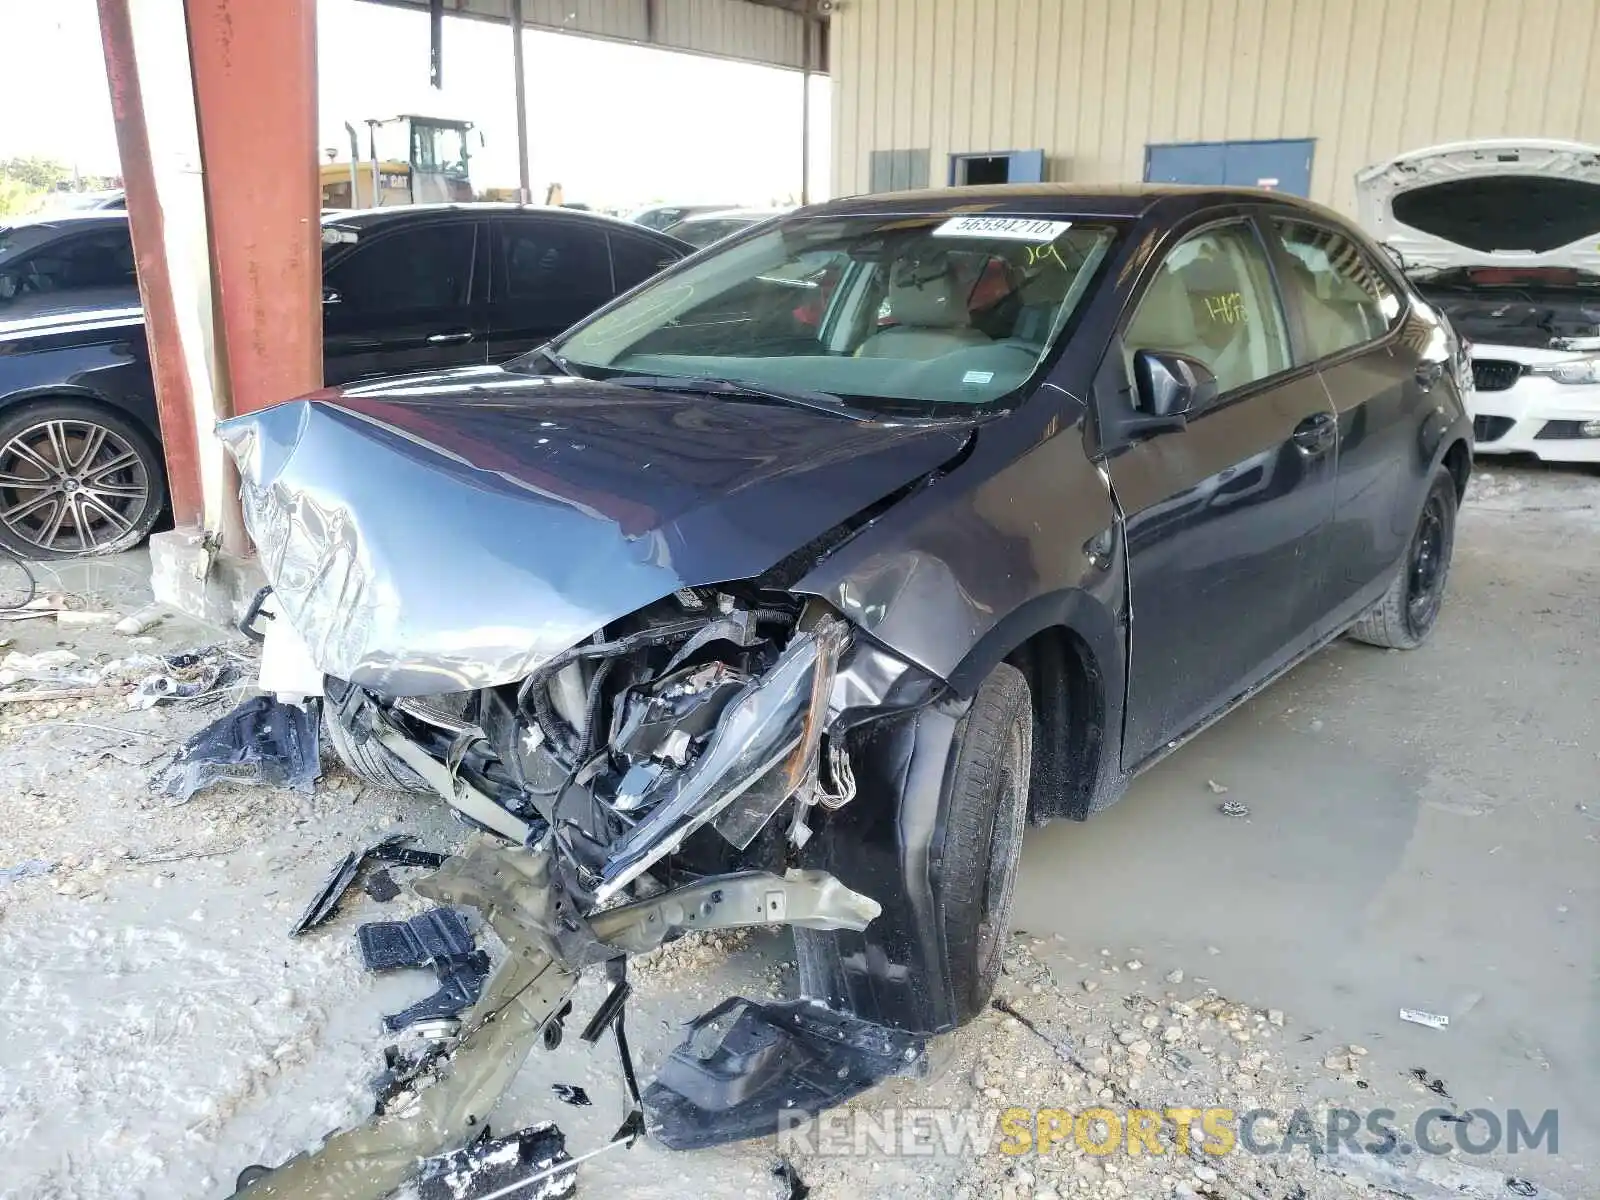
746, 1066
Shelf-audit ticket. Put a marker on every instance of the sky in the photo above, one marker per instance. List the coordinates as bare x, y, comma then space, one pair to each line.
640, 126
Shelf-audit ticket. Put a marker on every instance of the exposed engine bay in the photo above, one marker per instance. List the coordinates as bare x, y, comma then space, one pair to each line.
1541, 308
659, 750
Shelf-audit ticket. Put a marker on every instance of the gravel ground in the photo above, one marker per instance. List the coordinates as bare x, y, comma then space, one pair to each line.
1417, 830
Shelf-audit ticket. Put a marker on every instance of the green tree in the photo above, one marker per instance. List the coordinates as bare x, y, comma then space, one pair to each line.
16, 198
36, 174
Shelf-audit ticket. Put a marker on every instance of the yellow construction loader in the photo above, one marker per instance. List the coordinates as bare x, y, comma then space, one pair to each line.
412, 160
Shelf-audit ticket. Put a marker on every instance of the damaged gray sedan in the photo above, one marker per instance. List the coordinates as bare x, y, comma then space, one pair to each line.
787, 588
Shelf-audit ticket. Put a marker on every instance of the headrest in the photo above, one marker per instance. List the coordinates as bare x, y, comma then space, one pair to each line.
1165, 321
928, 293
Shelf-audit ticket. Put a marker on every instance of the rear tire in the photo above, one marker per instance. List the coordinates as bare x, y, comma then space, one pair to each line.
986, 808
1406, 615
370, 761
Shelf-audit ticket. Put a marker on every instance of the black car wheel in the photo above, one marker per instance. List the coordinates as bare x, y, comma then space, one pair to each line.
1406, 615
984, 809
76, 480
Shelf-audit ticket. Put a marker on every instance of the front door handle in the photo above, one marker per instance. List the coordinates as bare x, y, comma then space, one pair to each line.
447, 339
1316, 434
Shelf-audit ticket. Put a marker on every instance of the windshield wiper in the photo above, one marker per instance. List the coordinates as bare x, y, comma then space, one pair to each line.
710, 385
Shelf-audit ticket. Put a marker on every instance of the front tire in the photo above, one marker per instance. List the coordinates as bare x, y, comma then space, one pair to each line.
1406, 615
984, 806
370, 761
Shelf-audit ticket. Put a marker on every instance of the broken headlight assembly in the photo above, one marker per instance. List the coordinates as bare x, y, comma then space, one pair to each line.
707, 709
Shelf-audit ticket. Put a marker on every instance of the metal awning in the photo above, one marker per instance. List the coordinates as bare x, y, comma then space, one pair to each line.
770, 32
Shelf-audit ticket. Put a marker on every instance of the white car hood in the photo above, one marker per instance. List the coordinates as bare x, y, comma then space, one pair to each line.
1505, 202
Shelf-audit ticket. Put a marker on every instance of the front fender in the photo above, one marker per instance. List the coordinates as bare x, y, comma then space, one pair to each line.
975, 557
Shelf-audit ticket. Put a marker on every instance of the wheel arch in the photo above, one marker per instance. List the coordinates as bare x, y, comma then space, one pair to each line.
33, 397
1067, 646
1458, 458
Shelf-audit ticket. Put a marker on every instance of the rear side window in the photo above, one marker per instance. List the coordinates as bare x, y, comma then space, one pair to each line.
1343, 298
541, 258
94, 262
634, 259
1212, 299
425, 268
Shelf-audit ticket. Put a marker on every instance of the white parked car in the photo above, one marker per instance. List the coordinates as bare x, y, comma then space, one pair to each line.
1504, 236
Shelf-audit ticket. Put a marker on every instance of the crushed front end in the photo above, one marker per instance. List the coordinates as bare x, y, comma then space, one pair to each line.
662, 769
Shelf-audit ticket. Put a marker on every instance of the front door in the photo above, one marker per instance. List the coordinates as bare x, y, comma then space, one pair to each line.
1224, 518
403, 301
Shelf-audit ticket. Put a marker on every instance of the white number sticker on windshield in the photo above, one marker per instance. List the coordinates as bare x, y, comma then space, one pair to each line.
1017, 229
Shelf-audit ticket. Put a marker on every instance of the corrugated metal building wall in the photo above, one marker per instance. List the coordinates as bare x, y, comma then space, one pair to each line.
1093, 82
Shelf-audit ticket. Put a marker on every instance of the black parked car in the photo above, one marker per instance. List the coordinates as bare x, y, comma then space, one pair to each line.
406, 289
864, 537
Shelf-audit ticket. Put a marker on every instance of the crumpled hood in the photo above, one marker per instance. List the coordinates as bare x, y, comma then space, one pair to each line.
1516, 202
444, 532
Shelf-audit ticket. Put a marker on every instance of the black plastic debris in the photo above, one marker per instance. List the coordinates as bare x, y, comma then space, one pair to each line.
492, 1164
395, 852
460, 985
261, 742
380, 885
389, 850
571, 1093
439, 933
328, 895
786, 1174
744, 1063
438, 938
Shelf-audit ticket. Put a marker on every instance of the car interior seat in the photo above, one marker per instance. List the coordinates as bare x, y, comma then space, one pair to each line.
927, 301
1165, 321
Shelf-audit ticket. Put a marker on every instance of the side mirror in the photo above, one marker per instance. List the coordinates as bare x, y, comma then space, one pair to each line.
330, 296
8, 286
1168, 387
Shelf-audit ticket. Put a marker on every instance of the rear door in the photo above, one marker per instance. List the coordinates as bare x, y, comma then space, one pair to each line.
635, 258
1223, 517
1349, 318
403, 300
548, 272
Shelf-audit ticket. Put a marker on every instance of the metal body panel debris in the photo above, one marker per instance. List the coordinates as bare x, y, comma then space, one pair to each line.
517, 893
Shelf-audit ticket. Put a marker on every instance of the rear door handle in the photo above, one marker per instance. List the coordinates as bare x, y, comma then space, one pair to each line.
1316, 434
446, 339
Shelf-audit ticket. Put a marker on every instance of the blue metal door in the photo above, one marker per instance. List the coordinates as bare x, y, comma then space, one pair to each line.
1282, 166
1199, 162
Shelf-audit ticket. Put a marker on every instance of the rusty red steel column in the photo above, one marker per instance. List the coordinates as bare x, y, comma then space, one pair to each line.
255, 87
174, 397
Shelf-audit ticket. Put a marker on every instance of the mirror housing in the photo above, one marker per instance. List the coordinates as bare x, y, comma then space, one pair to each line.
1170, 386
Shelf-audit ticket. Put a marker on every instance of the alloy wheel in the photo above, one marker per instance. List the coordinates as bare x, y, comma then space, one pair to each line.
71, 486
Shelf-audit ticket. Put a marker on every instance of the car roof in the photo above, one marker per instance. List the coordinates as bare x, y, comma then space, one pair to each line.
373, 218
80, 218
1059, 199
735, 214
